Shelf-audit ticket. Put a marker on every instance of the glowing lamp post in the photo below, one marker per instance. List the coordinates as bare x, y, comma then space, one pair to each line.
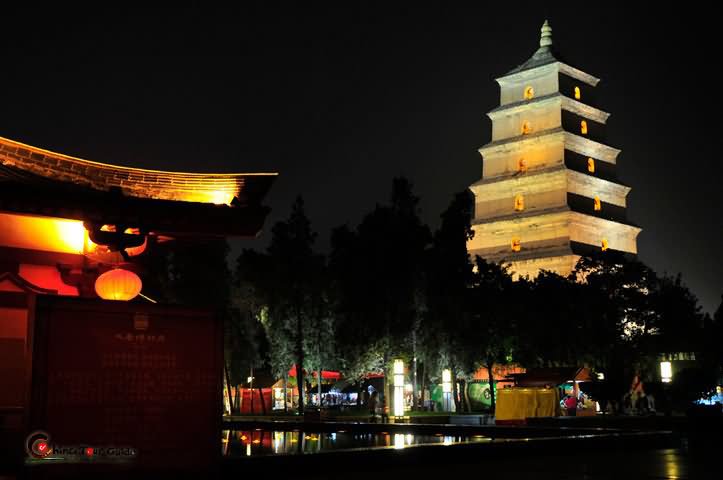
447, 389
118, 284
666, 372
398, 388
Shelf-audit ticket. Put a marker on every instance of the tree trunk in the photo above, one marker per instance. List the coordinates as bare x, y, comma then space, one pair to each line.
414, 371
251, 390
492, 387
465, 392
300, 361
462, 388
319, 387
228, 388
424, 382
286, 391
455, 390
261, 398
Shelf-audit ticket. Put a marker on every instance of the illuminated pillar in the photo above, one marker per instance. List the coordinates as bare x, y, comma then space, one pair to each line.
666, 372
447, 389
398, 388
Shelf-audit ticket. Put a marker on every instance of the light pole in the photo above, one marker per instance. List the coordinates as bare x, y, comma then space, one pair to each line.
447, 389
398, 388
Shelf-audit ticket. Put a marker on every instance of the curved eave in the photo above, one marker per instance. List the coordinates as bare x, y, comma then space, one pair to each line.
248, 188
547, 60
163, 217
576, 142
565, 103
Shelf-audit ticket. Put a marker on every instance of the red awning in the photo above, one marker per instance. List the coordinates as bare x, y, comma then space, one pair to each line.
325, 374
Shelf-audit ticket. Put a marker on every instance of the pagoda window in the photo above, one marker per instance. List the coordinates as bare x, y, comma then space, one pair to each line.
529, 93
526, 128
516, 246
521, 165
597, 204
577, 93
583, 127
591, 165
604, 244
519, 203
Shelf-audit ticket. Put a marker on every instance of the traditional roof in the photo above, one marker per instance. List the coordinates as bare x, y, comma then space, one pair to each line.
542, 55
37, 181
546, 55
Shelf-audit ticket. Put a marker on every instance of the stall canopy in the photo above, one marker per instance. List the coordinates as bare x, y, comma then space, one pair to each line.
551, 377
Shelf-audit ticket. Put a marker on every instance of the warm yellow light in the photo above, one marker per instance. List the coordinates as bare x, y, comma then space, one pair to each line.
583, 127
521, 165
577, 93
519, 203
71, 233
666, 372
48, 234
526, 128
604, 244
597, 204
398, 366
516, 245
220, 197
446, 380
529, 93
591, 165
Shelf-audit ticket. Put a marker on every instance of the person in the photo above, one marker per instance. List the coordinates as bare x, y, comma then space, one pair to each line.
372, 405
571, 405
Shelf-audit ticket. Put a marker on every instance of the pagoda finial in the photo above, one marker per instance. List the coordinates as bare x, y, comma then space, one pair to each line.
545, 35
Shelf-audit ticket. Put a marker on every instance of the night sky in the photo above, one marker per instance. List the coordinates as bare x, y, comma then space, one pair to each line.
339, 101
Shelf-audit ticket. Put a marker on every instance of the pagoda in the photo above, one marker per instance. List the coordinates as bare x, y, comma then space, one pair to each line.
549, 192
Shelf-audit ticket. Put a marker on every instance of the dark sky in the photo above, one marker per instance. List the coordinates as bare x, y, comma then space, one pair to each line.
341, 100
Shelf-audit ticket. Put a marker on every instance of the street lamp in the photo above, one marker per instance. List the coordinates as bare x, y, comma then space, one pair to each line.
398, 388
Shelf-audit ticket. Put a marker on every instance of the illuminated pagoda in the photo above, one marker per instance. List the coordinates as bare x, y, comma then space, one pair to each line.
96, 370
549, 191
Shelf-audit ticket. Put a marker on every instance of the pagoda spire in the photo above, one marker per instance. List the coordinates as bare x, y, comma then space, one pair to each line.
546, 35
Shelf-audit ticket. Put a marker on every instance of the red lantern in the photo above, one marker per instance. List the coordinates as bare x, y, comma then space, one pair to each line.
118, 284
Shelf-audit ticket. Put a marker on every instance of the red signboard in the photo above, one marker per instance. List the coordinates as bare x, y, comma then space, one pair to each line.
125, 374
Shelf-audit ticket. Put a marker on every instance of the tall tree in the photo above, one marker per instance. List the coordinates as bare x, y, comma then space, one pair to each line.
449, 276
378, 280
497, 307
292, 287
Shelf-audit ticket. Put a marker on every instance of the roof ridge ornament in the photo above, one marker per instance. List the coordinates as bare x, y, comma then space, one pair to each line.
546, 35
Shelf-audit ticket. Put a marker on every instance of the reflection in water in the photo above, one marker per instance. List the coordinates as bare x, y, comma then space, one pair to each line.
260, 442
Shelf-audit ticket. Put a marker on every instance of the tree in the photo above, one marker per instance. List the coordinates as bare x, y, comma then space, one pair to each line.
378, 280
497, 306
449, 276
290, 287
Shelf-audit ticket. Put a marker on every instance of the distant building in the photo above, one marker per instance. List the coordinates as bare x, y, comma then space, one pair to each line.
549, 191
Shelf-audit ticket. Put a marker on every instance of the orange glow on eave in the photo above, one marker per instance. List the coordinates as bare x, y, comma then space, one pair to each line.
48, 234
